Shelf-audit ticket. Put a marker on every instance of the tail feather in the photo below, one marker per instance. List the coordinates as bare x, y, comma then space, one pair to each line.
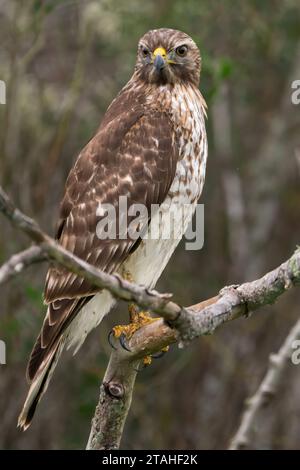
51, 331
40, 384
46, 352
35, 360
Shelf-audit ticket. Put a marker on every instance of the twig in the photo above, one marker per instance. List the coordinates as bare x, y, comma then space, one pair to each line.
18, 262
266, 391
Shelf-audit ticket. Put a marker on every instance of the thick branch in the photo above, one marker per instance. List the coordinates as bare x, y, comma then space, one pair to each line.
113, 404
239, 300
197, 320
266, 391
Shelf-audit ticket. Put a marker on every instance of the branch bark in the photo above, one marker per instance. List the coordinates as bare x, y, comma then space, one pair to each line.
266, 391
181, 324
113, 404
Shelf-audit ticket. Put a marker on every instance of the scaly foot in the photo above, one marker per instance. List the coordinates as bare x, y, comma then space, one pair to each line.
138, 319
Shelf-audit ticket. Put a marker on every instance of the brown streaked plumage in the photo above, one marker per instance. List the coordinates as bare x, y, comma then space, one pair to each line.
150, 147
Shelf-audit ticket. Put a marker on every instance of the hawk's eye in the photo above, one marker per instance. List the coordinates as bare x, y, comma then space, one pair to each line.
181, 50
145, 52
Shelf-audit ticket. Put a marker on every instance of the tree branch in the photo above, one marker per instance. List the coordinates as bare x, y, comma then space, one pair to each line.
191, 322
266, 391
182, 324
113, 404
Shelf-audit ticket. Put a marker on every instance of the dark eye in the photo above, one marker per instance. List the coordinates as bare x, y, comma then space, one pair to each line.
145, 52
181, 50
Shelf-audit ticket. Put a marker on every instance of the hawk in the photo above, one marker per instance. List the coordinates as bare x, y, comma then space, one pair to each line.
151, 148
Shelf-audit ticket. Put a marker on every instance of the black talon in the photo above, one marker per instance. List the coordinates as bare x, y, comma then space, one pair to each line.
109, 339
142, 368
159, 355
123, 343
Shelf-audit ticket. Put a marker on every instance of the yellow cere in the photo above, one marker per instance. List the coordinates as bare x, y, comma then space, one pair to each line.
160, 51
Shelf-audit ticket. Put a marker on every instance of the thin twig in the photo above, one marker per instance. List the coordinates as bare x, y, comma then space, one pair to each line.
18, 262
266, 391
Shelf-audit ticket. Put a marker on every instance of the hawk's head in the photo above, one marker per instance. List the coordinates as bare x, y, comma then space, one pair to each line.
168, 56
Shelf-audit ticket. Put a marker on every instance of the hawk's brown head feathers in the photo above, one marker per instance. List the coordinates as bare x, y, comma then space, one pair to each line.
168, 56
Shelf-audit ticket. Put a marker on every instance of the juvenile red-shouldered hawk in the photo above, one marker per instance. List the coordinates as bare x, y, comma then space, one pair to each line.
151, 147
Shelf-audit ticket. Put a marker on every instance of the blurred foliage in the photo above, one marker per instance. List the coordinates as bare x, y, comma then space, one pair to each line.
63, 63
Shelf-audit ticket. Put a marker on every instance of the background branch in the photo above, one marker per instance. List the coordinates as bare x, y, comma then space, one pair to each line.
266, 391
18, 262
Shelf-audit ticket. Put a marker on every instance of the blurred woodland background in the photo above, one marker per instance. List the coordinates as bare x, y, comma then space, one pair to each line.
63, 62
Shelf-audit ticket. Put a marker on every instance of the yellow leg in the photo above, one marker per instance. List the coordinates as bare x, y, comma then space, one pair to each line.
137, 320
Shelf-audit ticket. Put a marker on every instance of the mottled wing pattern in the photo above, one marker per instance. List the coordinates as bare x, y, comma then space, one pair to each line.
134, 154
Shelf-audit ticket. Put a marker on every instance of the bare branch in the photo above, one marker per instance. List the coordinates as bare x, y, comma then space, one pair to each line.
18, 262
266, 391
190, 322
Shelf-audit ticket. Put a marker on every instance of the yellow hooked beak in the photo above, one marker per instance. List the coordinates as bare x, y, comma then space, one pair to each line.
160, 58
